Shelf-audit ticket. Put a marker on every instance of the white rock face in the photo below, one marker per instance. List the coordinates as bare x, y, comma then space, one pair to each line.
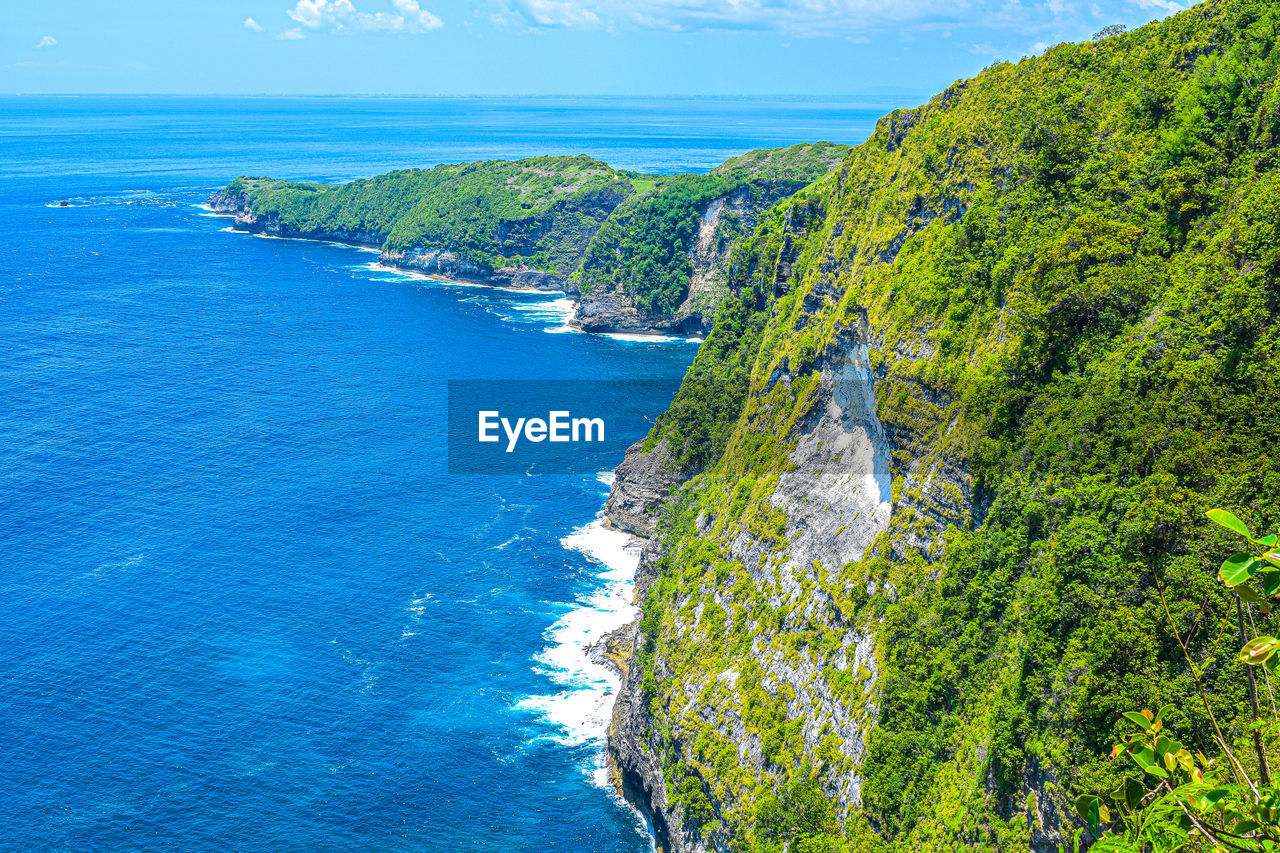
838, 497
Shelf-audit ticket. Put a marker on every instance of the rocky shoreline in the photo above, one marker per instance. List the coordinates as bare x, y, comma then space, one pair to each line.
600, 312
642, 485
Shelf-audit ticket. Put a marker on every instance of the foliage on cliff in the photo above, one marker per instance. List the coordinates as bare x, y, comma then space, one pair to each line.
492, 213
1070, 269
567, 215
805, 163
644, 248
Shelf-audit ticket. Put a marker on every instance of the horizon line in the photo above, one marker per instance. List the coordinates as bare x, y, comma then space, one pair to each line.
692, 95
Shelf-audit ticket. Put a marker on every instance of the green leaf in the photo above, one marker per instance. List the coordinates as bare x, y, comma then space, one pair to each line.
1089, 808
1270, 580
1259, 651
1134, 791
1273, 557
1164, 712
1145, 758
1237, 568
1247, 594
1137, 719
1268, 540
1165, 745
1213, 795
1229, 521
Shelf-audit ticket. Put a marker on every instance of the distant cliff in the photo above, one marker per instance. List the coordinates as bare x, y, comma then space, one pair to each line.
644, 253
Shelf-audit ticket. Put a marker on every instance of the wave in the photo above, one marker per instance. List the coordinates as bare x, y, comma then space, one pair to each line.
641, 338
413, 275
556, 312
580, 711
126, 197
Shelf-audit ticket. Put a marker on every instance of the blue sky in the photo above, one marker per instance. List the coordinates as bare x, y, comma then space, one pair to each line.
533, 46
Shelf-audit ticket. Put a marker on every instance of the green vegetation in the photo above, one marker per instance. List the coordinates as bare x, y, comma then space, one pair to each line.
644, 248
540, 212
1180, 799
566, 215
804, 163
1070, 269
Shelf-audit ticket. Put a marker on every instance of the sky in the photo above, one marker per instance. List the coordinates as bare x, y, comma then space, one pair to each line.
529, 47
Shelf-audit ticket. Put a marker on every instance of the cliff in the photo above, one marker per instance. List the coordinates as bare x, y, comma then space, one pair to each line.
966, 395
559, 223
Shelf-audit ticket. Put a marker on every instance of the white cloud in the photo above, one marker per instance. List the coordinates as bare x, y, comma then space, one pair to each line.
1162, 5
799, 17
1061, 18
46, 41
251, 24
292, 34
560, 13
409, 16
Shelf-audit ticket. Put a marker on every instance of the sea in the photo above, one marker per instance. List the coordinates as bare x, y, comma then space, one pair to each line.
244, 606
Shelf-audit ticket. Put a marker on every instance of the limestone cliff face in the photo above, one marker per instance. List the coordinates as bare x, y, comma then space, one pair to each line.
945, 432
761, 651
238, 205
641, 487
650, 253
724, 222
835, 490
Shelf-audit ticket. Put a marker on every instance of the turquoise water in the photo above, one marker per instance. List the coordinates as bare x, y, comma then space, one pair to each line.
243, 605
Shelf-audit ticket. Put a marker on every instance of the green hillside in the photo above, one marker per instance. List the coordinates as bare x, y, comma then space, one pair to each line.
1068, 270
493, 211
573, 216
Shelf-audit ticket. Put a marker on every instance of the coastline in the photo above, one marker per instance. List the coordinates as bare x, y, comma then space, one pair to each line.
441, 266
578, 657
380, 265
631, 336
588, 648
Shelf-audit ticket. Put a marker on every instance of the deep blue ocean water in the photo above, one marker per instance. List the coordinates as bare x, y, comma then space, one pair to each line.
243, 605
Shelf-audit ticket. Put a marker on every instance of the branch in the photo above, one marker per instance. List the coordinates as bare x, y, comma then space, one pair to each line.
1237, 769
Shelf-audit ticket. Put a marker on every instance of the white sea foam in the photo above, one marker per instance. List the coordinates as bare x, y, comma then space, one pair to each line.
556, 312
417, 609
262, 236
120, 199
636, 338
414, 275
580, 712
